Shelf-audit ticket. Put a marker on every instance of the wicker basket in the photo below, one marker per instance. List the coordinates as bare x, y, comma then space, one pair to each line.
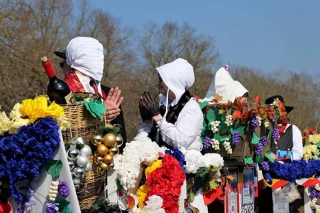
84, 125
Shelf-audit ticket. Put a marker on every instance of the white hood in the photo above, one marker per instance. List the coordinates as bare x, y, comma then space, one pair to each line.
225, 86
85, 54
178, 76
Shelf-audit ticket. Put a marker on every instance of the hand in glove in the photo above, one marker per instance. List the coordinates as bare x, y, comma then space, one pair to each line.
150, 103
144, 112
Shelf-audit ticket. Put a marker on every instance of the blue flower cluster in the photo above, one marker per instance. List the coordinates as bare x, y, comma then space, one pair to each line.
177, 154
24, 154
293, 170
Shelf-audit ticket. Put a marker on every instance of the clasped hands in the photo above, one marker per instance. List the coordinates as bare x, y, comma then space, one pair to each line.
149, 108
112, 104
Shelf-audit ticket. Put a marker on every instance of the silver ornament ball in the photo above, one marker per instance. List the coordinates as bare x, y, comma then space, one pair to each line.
82, 161
79, 140
76, 181
86, 150
119, 140
79, 171
71, 164
73, 154
88, 167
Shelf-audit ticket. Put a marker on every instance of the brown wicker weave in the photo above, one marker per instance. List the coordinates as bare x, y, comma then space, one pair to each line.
84, 125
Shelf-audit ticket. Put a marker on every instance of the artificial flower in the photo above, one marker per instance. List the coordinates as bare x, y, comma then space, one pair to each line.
213, 160
156, 164
313, 139
38, 108
142, 195
4, 123
140, 151
63, 123
194, 160
153, 205
166, 182
23, 155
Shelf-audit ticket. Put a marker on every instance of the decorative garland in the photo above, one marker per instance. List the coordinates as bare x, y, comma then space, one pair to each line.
30, 141
290, 171
315, 196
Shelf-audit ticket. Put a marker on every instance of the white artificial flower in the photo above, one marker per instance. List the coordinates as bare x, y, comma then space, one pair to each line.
194, 160
142, 150
213, 159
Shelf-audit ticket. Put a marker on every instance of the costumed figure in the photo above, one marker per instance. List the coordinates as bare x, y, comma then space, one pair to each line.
286, 145
83, 63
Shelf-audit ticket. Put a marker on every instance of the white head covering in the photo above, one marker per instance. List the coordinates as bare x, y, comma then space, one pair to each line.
178, 76
225, 86
85, 54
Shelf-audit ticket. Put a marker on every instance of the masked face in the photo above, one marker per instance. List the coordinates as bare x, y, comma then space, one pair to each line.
163, 88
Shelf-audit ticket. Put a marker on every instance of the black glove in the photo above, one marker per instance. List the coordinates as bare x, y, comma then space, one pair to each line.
150, 102
144, 112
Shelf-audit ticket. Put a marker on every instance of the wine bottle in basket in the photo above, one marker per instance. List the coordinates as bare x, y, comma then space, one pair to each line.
57, 89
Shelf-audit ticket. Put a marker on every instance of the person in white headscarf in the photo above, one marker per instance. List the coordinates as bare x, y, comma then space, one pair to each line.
178, 122
83, 66
224, 86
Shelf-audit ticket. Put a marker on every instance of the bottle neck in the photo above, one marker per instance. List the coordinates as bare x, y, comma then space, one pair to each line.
49, 70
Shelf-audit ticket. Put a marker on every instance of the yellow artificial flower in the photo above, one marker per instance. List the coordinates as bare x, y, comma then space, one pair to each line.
156, 164
63, 123
4, 123
38, 108
17, 120
314, 138
142, 194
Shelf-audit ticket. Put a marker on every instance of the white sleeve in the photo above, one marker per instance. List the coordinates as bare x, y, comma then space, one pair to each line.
297, 149
144, 128
186, 129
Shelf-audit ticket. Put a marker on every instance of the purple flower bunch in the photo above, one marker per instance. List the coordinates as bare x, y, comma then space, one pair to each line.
52, 208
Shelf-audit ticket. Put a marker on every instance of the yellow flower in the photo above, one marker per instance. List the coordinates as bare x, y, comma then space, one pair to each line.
38, 108
63, 123
4, 123
156, 164
314, 138
142, 194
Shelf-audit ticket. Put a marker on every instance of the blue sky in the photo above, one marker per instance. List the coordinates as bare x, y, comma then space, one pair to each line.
268, 35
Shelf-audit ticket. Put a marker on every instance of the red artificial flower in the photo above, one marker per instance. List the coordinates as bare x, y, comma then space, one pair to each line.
166, 182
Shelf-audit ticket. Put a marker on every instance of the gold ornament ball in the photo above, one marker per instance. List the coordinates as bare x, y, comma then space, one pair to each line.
109, 140
98, 160
104, 166
96, 139
102, 150
107, 159
114, 151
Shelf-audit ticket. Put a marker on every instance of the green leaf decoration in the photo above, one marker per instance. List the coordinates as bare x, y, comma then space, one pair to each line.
248, 160
63, 205
54, 167
67, 146
224, 129
210, 116
269, 134
268, 155
255, 139
213, 184
221, 139
240, 128
258, 159
95, 107
79, 146
192, 196
203, 104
